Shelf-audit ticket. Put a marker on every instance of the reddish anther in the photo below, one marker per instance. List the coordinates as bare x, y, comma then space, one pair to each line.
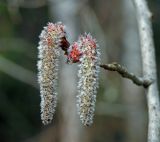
75, 53
49, 41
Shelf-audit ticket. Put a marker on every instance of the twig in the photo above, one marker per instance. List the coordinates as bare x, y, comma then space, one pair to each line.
149, 68
124, 73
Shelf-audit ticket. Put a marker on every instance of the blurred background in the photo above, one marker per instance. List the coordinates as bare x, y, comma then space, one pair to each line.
121, 110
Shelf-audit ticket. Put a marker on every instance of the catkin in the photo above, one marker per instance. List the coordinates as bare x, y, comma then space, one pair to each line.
87, 54
49, 52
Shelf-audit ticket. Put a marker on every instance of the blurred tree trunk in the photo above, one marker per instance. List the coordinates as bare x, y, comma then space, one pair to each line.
65, 11
132, 94
144, 17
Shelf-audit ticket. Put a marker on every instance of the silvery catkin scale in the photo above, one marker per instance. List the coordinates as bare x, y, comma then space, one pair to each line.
51, 39
86, 53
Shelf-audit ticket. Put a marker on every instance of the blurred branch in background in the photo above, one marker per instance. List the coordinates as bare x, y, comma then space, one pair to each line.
149, 68
70, 128
16, 45
18, 72
132, 94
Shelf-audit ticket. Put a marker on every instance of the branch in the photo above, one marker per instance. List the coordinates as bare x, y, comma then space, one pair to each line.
124, 73
149, 68
18, 72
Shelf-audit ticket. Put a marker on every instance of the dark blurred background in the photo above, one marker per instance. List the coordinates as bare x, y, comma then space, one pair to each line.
121, 111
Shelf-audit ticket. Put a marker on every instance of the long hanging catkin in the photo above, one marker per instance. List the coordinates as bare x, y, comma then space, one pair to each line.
51, 39
86, 53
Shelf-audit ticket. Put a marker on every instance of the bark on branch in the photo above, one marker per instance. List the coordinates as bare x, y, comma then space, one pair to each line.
124, 73
149, 68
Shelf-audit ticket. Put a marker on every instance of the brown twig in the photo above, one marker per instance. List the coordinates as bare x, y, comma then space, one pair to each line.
124, 73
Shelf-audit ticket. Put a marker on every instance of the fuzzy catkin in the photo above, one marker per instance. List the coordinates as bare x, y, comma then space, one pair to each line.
49, 52
87, 54
88, 79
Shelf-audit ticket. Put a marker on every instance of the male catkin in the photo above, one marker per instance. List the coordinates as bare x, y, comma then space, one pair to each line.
86, 53
49, 51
